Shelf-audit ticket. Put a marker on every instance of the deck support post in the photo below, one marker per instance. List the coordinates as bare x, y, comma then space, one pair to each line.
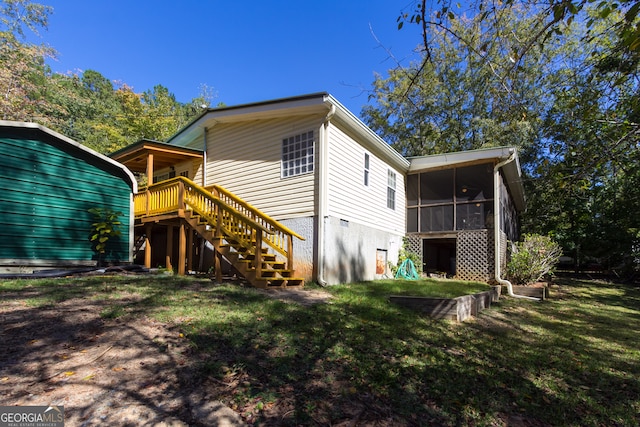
147, 245
182, 248
258, 255
169, 254
218, 266
190, 250
290, 253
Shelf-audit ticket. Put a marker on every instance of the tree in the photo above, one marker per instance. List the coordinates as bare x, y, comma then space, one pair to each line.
554, 17
22, 66
464, 97
567, 98
18, 15
85, 106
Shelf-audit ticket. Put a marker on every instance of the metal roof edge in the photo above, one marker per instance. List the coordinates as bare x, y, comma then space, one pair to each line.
361, 128
154, 143
59, 136
228, 110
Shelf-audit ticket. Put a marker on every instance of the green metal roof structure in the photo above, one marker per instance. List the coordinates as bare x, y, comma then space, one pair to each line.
48, 183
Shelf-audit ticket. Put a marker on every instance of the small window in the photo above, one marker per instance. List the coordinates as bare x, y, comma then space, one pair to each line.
297, 154
391, 190
366, 169
185, 174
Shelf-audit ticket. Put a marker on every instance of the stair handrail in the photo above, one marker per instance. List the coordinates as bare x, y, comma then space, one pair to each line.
207, 194
173, 192
257, 212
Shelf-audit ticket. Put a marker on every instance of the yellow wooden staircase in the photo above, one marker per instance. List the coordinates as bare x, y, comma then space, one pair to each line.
258, 247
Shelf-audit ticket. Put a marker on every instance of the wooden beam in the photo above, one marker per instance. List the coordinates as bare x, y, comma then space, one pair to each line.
217, 243
218, 266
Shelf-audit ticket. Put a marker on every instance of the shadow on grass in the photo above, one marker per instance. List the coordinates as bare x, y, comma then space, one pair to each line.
572, 360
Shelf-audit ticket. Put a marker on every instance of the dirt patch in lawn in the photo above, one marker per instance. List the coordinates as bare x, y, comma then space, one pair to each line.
306, 297
104, 371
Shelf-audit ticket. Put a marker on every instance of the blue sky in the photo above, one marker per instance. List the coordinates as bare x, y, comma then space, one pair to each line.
247, 51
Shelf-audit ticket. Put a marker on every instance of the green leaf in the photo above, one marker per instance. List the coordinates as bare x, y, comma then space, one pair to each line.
572, 8
632, 13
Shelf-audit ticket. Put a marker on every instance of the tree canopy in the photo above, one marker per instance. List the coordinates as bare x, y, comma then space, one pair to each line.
557, 80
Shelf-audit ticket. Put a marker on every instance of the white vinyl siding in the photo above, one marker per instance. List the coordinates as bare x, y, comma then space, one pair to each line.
245, 158
348, 198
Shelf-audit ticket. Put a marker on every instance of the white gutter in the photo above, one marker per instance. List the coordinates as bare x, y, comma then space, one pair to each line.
496, 227
323, 138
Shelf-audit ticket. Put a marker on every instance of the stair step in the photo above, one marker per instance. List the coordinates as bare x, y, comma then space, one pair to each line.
265, 257
276, 283
237, 246
293, 282
272, 272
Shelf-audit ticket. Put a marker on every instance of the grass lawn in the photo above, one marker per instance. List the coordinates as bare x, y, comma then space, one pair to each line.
573, 360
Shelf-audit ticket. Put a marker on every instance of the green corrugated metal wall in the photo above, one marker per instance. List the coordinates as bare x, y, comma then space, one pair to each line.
47, 188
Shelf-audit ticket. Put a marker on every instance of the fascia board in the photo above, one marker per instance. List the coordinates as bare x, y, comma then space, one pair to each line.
368, 138
285, 107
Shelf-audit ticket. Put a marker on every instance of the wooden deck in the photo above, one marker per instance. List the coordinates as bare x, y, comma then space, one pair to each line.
258, 247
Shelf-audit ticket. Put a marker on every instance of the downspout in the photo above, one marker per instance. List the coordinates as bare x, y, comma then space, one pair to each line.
496, 228
204, 157
323, 160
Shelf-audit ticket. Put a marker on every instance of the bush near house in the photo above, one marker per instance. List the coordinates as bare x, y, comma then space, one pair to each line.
532, 259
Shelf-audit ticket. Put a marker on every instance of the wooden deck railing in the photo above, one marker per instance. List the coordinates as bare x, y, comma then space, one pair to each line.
224, 211
281, 237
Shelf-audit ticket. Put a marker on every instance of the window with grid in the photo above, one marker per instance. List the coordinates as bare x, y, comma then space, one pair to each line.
297, 154
366, 169
391, 190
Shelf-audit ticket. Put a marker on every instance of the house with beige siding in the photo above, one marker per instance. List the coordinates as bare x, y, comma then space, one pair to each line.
285, 191
306, 163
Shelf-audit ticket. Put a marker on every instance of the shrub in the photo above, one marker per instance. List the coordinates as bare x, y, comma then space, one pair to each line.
104, 228
532, 259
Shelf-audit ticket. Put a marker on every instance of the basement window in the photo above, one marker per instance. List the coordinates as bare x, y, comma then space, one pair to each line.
297, 154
